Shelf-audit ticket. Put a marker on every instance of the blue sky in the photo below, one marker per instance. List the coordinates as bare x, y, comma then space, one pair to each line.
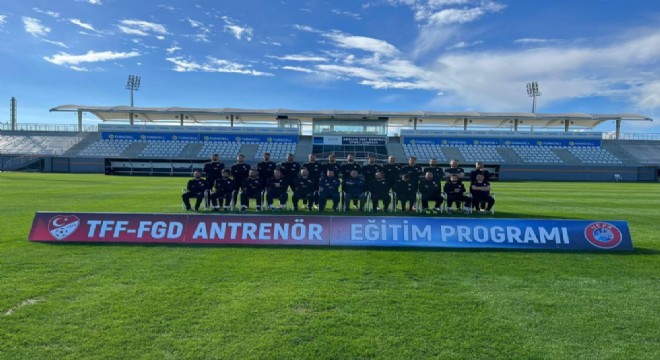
594, 56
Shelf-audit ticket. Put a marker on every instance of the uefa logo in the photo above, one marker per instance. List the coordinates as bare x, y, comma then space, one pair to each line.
61, 226
603, 235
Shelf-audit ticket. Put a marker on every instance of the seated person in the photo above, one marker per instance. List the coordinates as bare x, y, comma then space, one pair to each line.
329, 189
429, 188
195, 188
380, 191
251, 189
276, 188
406, 192
435, 169
304, 189
224, 187
353, 189
481, 198
455, 191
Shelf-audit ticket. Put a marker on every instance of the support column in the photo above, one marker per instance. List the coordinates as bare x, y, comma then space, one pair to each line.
566, 123
465, 122
80, 121
618, 128
515, 125
181, 118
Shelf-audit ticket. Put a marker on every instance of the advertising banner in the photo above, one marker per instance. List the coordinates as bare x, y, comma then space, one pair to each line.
188, 136
504, 141
383, 231
349, 140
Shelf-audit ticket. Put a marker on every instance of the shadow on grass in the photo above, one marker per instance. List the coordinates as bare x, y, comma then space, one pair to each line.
636, 252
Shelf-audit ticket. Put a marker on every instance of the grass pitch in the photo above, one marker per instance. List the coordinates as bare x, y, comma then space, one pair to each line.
132, 301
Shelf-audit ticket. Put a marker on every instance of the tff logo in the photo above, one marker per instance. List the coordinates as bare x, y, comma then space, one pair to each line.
603, 235
61, 226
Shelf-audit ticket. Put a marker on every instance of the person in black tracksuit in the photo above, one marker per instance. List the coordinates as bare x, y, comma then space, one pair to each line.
353, 189
304, 189
346, 168
239, 172
224, 187
391, 172
413, 169
196, 188
329, 189
266, 168
433, 167
276, 188
480, 190
251, 189
430, 189
455, 191
213, 170
290, 169
406, 192
369, 171
380, 192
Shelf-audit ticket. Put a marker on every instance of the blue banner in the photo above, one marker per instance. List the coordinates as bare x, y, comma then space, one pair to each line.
505, 141
482, 233
195, 137
383, 231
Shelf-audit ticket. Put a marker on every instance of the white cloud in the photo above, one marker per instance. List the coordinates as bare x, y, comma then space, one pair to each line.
463, 45
93, 2
3, 19
49, 13
82, 24
34, 27
298, 68
300, 58
141, 28
213, 65
353, 15
305, 28
57, 43
91, 56
237, 30
362, 43
534, 41
172, 49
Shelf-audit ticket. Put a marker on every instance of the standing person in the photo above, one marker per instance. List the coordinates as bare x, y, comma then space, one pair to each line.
480, 190
479, 169
304, 189
406, 192
430, 189
213, 170
289, 169
353, 189
433, 167
455, 191
195, 188
391, 171
251, 189
380, 192
329, 189
330, 165
265, 168
224, 187
369, 171
413, 169
454, 169
346, 168
239, 172
314, 168
276, 189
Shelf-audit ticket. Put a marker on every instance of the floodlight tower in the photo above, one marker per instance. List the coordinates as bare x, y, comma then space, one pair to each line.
533, 92
133, 84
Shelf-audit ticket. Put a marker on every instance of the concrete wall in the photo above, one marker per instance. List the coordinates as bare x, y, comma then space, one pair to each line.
576, 173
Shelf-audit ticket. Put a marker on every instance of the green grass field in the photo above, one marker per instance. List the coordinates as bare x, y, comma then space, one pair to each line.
128, 301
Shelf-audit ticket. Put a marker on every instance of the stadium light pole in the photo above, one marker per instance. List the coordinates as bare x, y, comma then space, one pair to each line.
133, 84
533, 92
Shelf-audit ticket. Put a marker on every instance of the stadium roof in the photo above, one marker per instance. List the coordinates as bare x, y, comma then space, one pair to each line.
404, 118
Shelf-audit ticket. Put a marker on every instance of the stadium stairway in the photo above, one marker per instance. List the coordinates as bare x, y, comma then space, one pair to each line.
615, 148
249, 150
567, 157
509, 156
87, 140
452, 153
394, 148
192, 150
134, 149
303, 149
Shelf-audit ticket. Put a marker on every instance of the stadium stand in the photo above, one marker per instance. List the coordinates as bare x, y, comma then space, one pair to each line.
425, 152
225, 149
537, 154
106, 148
485, 153
166, 149
39, 143
276, 150
593, 155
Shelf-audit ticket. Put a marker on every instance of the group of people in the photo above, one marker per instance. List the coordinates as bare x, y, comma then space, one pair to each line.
316, 184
